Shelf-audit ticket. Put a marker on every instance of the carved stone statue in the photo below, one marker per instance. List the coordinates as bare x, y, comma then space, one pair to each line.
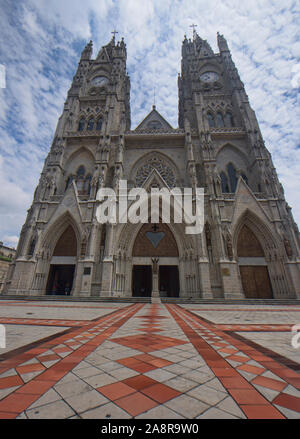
155, 265
288, 247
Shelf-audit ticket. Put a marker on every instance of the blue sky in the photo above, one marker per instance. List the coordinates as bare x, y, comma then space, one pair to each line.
40, 46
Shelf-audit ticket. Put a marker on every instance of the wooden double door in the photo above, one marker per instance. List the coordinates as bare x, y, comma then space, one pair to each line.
256, 282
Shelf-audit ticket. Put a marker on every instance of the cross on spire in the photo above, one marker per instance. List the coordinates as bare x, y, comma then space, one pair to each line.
194, 30
114, 32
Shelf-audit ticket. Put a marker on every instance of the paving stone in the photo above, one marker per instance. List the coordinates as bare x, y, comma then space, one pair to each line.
229, 405
106, 411
86, 401
86, 372
100, 380
160, 375
123, 373
187, 406
291, 390
73, 388
50, 396
160, 412
207, 394
54, 410
215, 413
181, 384
290, 414
5, 392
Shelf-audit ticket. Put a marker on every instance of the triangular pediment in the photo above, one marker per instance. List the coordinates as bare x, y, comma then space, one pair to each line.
69, 204
245, 200
154, 122
103, 55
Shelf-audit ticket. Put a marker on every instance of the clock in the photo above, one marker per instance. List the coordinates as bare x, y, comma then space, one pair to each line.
99, 81
209, 77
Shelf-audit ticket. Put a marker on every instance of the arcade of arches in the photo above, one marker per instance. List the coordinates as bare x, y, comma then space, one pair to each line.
155, 243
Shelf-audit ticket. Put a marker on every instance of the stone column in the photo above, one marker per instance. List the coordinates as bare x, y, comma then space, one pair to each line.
155, 291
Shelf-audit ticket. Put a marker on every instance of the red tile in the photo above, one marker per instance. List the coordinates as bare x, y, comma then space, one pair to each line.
136, 403
159, 362
238, 358
7, 415
288, 401
115, 390
251, 369
295, 382
36, 387
139, 382
261, 412
10, 381
62, 349
247, 397
222, 372
14, 403
228, 350
161, 393
142, 367
235, 383
269, 383
50, 357
30, 368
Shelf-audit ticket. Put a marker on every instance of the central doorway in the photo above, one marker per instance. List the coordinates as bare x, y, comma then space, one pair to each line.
142, 280
169, 281
60, 279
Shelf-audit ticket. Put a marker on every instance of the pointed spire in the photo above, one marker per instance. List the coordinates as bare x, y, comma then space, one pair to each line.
87, 51
222, 43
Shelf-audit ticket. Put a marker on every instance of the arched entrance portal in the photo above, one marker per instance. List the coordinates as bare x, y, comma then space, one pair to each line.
253, 266
63, 263
155, 242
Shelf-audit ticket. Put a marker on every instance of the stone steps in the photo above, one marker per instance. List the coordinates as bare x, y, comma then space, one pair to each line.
178, 300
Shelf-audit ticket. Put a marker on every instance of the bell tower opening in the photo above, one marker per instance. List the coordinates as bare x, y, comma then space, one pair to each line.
63, 263
253, 266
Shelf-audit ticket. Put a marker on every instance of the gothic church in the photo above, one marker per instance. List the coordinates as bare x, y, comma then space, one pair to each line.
250, 244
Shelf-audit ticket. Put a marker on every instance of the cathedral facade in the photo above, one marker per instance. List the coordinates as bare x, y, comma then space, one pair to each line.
249, 247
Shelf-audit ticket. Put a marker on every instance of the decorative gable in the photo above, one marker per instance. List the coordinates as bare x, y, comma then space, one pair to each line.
154, 122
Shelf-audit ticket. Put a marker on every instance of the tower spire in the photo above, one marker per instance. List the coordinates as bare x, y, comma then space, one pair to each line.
194, 30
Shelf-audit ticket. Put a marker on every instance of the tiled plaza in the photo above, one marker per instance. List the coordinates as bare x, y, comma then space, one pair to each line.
148, 361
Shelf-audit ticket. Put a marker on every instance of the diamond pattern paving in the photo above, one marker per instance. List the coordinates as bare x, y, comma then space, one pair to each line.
150, 361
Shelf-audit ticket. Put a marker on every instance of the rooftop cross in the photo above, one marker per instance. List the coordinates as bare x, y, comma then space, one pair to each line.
114, 32
193, 26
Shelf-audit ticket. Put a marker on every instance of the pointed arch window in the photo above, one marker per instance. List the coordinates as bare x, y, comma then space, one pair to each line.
232, 177
229, 119
211, 120
224, 183
99, 124
87, 184
81, 124
219, 119
32, 247
91, 123
83, 181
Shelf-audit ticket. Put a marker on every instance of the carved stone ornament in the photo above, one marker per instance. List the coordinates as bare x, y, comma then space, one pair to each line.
161, 167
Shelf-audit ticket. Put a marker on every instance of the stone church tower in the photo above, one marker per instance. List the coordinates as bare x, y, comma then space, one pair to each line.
250, 244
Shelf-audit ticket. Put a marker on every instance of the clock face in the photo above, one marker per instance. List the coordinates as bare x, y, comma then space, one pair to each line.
99, 80
209, 77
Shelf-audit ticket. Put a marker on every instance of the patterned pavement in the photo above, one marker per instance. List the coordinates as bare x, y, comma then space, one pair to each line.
150, 362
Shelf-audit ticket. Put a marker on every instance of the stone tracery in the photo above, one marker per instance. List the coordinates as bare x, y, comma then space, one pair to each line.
160, 166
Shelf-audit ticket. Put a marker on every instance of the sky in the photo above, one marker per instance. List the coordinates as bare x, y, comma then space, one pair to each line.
40, 46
